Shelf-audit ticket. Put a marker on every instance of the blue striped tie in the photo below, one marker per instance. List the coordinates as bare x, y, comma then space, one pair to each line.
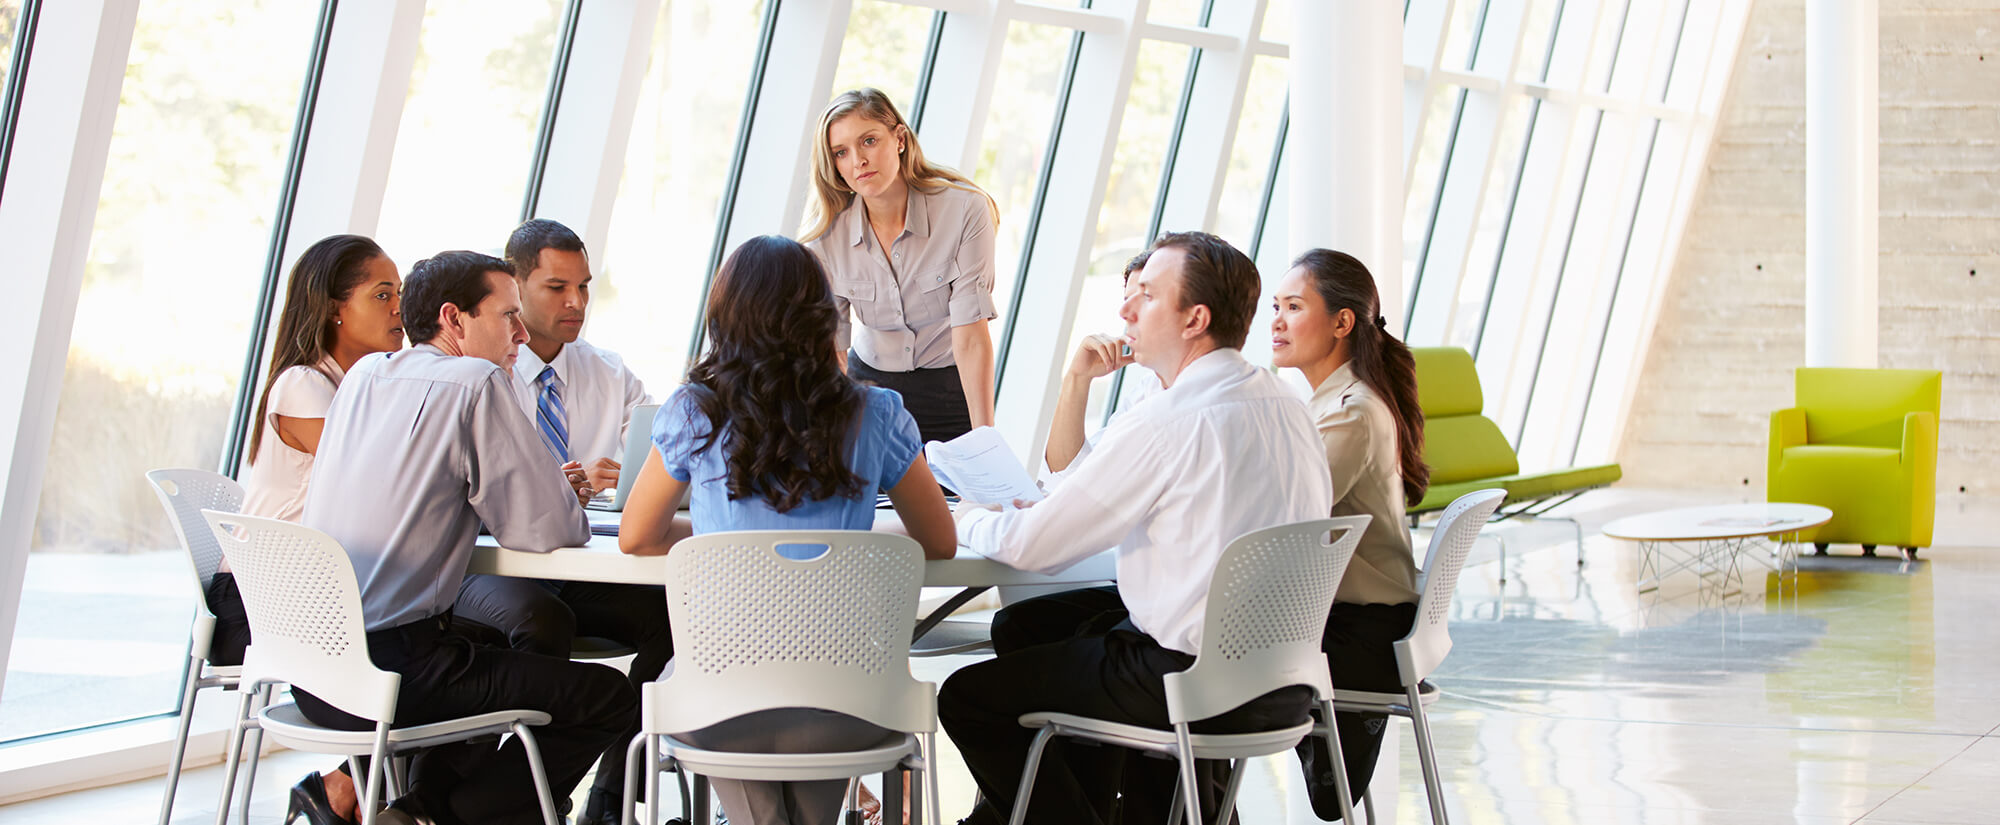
550, 417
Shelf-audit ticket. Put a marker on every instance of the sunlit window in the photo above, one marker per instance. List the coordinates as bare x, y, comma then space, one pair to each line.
884, 48
468, 129
1015, 142
649, 274
170, 287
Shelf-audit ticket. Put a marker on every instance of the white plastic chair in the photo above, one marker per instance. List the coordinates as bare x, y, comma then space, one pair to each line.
1267, 606
185, 493
754, 630
1419, 653
299, 590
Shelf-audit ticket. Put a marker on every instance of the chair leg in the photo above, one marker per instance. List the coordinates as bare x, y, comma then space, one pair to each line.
1427, 756
702, 811
1503, 558
1190, 787
1236, 771
189, 687
378, 772
236, 733
634, 752
932, 816
1339, 761
1368, 804
1020, 813
540, 774
256, 747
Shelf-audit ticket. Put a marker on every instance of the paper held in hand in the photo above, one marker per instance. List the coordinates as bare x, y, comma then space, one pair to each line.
981, 469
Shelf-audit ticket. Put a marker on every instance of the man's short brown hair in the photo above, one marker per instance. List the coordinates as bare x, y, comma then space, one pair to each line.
1216, 275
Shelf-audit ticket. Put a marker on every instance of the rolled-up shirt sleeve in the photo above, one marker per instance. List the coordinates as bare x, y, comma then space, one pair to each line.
972, 286
515, 486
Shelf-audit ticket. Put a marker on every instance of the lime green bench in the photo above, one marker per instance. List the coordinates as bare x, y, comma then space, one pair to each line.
1466, 451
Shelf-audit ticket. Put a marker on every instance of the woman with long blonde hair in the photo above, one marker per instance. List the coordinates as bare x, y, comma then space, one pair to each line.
908, 245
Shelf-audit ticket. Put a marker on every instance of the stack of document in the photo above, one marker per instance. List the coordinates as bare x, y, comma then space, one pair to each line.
981, 468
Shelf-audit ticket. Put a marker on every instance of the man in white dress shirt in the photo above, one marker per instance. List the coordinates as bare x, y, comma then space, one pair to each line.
1225, 450
579, 399
420, 448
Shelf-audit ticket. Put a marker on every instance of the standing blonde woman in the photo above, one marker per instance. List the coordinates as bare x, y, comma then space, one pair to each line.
909, 246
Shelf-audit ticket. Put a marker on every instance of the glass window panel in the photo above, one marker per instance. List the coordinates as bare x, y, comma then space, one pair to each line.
1423, 184
1129, 195
1015, 142
10, 22
1535, 45
469, 125
197, 159
1480, 260
1458, 35
1278, 21
647, 290
1176, 12
1648, 37
1250, 156
884, 48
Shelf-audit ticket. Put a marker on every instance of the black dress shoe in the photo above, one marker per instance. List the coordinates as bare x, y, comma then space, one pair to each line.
309, 799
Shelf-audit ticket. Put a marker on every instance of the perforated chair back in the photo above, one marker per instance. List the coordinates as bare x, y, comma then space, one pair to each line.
185, 493
305, 616
1267, 606
755, 630
1420, 652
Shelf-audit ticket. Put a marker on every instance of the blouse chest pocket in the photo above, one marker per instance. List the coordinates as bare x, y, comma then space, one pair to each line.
934, 294
860, 294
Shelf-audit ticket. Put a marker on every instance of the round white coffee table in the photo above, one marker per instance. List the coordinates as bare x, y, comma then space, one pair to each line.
1711, 540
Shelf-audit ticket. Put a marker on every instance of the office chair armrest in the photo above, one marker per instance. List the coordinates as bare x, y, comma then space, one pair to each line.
1920, 443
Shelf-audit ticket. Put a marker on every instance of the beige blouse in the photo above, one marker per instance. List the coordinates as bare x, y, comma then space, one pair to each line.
1359, 432
938, 274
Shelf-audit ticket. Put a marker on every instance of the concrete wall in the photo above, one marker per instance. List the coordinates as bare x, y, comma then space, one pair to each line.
1733, 325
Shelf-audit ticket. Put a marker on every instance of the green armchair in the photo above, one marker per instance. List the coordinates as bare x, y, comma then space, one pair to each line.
1862, 443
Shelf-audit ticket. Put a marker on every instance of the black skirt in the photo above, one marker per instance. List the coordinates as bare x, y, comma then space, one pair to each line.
934, 397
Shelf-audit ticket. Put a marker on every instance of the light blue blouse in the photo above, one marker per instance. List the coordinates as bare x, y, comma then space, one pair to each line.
881, 453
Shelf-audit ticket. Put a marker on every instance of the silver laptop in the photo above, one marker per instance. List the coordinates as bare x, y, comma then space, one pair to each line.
638, 441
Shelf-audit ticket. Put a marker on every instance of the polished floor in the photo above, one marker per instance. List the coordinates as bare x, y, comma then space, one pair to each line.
1859, 690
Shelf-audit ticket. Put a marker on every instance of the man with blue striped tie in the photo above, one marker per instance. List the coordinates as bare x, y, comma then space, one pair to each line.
579, 398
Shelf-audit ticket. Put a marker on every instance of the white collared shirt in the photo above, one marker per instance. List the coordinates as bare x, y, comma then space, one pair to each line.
1227, 450
937, 274
599, 393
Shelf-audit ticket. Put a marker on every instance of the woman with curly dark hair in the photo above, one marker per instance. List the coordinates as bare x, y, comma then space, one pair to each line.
769, 434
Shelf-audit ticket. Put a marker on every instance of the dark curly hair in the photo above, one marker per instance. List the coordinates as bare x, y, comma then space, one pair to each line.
771, 377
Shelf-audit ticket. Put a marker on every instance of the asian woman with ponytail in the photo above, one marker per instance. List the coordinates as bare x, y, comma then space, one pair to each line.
1329, 326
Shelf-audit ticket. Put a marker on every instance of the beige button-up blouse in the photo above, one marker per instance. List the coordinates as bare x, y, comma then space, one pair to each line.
938, 274
1359, 432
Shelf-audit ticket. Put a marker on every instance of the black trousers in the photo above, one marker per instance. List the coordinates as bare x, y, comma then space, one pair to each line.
1360, 654
232, 624
1076, 652
934, 397
545, 617
446, 675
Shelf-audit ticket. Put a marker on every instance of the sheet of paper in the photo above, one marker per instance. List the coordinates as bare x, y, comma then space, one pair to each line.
981, 468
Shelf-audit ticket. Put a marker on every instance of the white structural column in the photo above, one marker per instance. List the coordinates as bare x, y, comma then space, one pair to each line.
68, 103
1841, 200
593, 119
1346, 146
360, 105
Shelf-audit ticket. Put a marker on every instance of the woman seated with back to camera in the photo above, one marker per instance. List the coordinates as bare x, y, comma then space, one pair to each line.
1328, 324
768, 434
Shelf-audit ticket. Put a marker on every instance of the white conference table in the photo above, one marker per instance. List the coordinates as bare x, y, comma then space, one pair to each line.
600, 561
